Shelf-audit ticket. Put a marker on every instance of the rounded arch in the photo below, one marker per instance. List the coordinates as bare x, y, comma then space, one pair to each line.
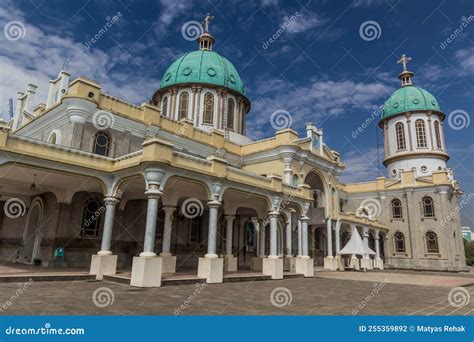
31, 234
176, 187
319, 187
55, 137
234, 199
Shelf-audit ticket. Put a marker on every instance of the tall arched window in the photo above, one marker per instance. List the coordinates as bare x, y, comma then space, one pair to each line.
91, 217
315, 199
420, 133
53, 138
399, 242
101, 144
230, 113
397, 209
164, 106
400, 133
208, 108
183, 105
437, 134
432, 242
296, 180
428, 207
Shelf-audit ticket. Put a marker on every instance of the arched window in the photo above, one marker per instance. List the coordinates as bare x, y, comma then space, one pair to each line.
399, 242
420, 133
208, 108
315, 199
296, 180
428, 207
183, 105
101, 144
164, 106
400, 133
437, 134
397, 209
230, 113
91, 217
52, 138
432, 242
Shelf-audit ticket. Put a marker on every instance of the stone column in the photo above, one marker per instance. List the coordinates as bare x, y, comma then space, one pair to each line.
211, 266
273, 265
303, 263
147, 268
304, 236
230, 262
337, 233
289, 261
300, 242
378, 260
366, 261
262, 237
288, 171
104, 263
329, 261
169, 261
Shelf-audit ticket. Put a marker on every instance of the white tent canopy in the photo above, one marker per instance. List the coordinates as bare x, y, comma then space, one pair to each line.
356, 245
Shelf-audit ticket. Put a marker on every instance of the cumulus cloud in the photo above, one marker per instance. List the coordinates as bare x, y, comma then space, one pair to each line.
361, 165
304, 22
465, 58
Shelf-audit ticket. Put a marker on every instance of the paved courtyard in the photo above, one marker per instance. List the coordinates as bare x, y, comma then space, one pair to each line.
326, 294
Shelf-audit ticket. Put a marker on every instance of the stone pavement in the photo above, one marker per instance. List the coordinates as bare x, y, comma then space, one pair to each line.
297, 296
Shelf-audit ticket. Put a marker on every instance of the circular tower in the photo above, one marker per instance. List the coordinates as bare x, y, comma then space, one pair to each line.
412, 124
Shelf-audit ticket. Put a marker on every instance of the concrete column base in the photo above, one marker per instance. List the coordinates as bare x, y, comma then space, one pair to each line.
230, 263
354, 263
378, 263
273, 267
289, 264
146, 271
340, 263
305, 266
212, 269
366, 263
169, 263
257, 263
330, 263
103, 265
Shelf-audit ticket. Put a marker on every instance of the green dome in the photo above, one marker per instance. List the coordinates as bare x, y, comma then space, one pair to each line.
408, 99
203, 66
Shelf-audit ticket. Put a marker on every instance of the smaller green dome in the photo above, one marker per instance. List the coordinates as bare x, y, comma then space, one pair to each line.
203, 66
408, 99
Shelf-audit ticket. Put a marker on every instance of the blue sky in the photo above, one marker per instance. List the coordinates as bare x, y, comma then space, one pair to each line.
319, 68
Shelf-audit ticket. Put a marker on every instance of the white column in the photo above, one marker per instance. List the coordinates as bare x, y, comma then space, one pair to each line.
228, 234
288, 251
300, 242
288, 171
261, 232
153, 195
338, 237
167, 230
329, 237
273, 235
377, 244
304, 235
110, 203
365, 235
212, 235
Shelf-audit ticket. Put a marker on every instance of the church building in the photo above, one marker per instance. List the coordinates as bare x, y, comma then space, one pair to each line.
174, 184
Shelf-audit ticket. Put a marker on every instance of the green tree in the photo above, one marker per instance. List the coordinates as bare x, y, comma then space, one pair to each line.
469, 251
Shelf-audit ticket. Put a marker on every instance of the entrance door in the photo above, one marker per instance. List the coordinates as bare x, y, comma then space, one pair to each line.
247, 245
31, 234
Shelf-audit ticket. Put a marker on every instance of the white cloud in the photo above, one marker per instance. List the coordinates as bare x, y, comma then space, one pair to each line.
465, 58
313, 102
304, 22
361, 165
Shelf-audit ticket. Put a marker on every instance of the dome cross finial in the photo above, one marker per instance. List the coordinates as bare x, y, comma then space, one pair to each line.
206, 22
404, 61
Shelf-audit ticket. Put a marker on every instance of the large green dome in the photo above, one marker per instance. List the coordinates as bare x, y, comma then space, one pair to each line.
203, 66
408, 99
